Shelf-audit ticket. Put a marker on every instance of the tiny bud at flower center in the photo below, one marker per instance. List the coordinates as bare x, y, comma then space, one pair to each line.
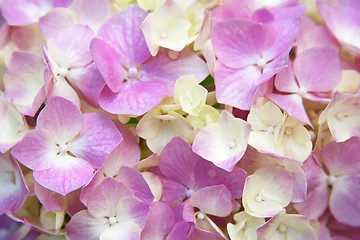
270, 129
301, 92
163, 35
112, 220
331, 179
201, 216
261, 62
63, 72
340, 116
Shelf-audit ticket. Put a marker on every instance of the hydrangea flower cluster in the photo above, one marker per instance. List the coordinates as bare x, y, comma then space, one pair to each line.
180, 119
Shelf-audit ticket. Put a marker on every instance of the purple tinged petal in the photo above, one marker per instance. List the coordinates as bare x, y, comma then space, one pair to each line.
344, 200
134, 98
84, 226
285, 80
177, 161
168, 66
103, 201
236, 87
61, 119
23, 81
202, 234
237, 43
127, 153
122, 32
213, 200
66, 175
108, 62
37, 150
56, 19
20, 12
89, 81
51, 201
292, 104
207, 174
13, 189
342, 159
136, 182
173, 192
97, 139
318, 69
159, 222
280, 36
181, 231
132, 209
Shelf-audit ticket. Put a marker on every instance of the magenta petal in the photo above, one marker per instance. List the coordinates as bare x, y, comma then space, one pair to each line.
291, 103
66, 175
213, 200
13, 189
136, 182
318, 69
97, 139
181, 231
134, 98
173, 192
61, 118
56, 19
83, 226
89, 81
342, 159
285, 80
344, 200
37, 150
103, 201
237, 43
168, 66
280, 36
236, 87
207, 174
108, 62
159, 222
122, 32
51, 201
177, 161
127, 153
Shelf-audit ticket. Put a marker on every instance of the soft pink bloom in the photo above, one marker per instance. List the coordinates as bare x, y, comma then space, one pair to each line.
135, 81
113, 212
66, 145
249, 54
343, 21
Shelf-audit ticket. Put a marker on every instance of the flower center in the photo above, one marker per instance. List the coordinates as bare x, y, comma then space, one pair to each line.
282, 228
301, 92
261, 62
63, 72
112, 221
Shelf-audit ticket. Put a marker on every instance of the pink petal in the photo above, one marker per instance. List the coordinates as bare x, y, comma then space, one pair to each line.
122, 32
237, 43
60, 118
84, 226
173, 192
168, 66
89, 81
51, 201
66, 175
56, 19
344, 204
159, 221
37, 150
177, 161
236, 87
97, 139
134, 98
285, 80
127, 153
136, 182
69, 46
108, 62
292, 104
20, 12
318, 69
213, 200
133, 210
103, 201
